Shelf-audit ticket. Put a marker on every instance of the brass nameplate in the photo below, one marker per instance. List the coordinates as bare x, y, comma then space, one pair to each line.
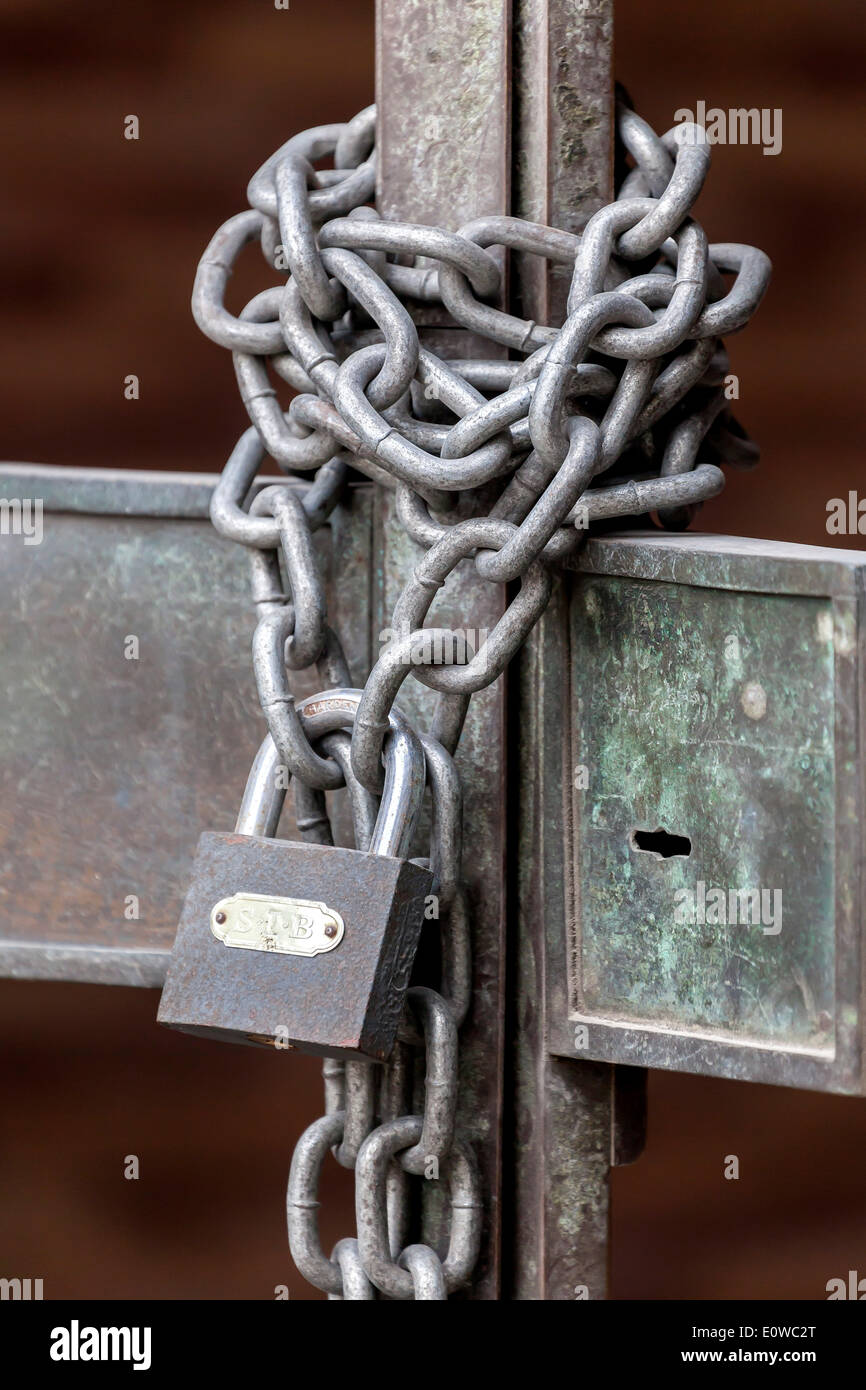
289, 926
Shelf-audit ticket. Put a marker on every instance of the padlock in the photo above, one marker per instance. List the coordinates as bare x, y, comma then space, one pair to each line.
297, 945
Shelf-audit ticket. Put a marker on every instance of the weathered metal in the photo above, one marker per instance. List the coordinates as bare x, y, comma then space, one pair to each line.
345, 1002
347, 996
738, 726
569, 1121
563, 132
443, 82
361, 387
108, 768
467, 53
464, 50
385, 397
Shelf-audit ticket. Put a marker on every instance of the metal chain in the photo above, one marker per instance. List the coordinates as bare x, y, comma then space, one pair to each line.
620, 411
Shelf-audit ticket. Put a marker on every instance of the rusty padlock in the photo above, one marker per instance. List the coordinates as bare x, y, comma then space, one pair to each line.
296, 945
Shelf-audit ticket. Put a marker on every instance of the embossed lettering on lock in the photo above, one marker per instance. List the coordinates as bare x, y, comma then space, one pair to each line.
289, 926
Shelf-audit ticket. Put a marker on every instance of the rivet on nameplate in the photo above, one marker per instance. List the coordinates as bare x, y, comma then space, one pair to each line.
289, 926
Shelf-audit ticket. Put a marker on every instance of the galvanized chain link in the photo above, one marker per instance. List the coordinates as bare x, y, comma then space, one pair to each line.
619, 411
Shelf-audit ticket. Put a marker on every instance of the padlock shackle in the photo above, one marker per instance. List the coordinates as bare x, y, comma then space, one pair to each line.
405, 778
405, 774
262, 801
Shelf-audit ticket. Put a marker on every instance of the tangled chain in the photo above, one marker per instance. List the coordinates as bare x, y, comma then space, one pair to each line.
493, 461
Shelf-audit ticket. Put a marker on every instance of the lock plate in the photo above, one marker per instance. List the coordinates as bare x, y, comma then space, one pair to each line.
707, 824
713, 868
289, 926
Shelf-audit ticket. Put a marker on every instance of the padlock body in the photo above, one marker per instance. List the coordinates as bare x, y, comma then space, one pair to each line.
256, 985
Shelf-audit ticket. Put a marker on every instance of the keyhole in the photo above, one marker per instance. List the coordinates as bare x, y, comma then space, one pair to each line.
661, 843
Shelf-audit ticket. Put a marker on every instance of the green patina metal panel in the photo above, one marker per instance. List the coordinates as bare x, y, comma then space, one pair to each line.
708, 714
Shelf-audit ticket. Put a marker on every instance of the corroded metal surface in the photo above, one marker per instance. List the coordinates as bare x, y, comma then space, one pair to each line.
442, 83
346, 1002
563, 158
566, 1129
723, 734
111, 767
737, 725
109, 491
562, 1110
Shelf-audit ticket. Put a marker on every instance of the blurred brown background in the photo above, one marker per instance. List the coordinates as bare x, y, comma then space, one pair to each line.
100, 241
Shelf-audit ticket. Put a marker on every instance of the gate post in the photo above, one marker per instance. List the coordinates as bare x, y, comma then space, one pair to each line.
570, 1121
443, 144
475, 99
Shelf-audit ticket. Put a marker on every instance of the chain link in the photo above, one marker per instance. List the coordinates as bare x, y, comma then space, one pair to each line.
620, 411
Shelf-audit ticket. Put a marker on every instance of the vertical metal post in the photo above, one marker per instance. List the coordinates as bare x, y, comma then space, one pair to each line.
452, 98
443, 93
570, 1120
563, 130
